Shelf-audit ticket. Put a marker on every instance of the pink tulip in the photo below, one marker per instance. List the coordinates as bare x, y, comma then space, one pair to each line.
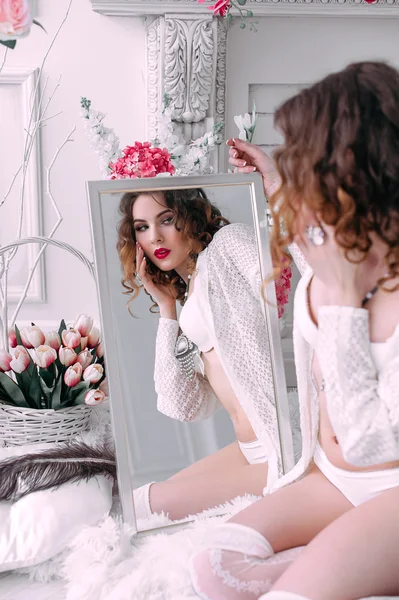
85, 358
12, 338
5, 360
103, 387
21, 360
83, 324
71, 338
53, 340
83, 343
32, 336
100, 350
73, 375
94, 337
44, 356
93, 373
67, 356
94, 397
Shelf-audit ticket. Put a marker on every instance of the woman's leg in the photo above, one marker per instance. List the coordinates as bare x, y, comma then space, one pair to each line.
240, 561
228, 457
205, 484
355, 557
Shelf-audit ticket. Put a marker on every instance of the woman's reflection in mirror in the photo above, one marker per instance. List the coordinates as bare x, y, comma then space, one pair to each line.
176, 245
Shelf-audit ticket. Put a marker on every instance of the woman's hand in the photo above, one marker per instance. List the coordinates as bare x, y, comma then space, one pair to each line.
248, 158
163, 295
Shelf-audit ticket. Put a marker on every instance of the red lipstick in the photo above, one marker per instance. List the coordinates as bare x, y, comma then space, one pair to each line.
161, 253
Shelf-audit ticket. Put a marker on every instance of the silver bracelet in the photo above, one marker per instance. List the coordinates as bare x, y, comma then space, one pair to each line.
185, 352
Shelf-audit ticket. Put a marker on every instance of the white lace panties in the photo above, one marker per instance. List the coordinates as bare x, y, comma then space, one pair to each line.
356, 486
254, 452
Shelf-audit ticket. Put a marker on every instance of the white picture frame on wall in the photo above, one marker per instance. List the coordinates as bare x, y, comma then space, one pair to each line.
25, 80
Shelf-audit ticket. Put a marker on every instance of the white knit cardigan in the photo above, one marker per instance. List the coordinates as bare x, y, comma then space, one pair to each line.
362, 404
228, 288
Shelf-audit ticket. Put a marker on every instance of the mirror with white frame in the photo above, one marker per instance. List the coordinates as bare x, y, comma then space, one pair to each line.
168, 377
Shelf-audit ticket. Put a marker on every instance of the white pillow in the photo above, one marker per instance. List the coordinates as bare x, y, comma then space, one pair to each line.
41, 524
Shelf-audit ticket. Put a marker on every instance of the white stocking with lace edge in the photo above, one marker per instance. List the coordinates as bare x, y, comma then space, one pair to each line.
279, 595
238, 563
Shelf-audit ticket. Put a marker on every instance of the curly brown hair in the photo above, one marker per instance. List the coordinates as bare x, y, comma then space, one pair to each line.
195, 216
340, 156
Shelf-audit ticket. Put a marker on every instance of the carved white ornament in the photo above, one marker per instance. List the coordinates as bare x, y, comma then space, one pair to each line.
154, 69
186, 59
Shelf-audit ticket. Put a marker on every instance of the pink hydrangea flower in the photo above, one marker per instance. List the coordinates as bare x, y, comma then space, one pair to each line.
283, 287
141, 160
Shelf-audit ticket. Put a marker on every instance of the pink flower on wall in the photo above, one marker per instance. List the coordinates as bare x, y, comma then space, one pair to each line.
15, 19
221, 7
283, 286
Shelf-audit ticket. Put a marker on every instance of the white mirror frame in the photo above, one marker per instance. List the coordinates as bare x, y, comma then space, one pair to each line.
123, 444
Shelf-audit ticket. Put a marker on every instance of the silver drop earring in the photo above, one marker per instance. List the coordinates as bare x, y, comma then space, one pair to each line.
316, 235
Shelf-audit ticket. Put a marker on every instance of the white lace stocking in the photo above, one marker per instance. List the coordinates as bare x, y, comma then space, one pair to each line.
238, 564
277, 595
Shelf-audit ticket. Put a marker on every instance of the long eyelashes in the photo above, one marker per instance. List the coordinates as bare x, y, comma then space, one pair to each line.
167, 221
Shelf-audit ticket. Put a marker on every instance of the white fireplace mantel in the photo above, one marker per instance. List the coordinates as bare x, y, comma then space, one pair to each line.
187, 47
260, 8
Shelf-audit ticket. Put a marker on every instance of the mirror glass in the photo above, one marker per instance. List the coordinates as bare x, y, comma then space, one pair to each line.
178, 410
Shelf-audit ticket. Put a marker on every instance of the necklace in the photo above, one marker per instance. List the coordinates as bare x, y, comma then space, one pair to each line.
371, 293
188, 284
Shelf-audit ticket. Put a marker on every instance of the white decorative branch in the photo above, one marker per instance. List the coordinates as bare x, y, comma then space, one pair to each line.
52, 232
37, 118
3, 62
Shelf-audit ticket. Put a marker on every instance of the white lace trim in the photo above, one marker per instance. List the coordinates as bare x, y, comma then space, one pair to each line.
253, 586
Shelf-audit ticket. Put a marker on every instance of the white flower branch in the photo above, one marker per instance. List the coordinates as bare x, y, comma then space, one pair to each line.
188, 159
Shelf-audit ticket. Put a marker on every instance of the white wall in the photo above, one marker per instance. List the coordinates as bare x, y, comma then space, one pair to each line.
102, 58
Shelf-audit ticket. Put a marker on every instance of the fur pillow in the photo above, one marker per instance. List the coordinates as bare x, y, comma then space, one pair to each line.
41, 524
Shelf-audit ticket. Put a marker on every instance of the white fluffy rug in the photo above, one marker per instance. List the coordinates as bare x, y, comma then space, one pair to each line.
102, 564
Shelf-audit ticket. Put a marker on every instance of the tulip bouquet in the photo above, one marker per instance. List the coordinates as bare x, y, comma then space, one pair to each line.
55, 370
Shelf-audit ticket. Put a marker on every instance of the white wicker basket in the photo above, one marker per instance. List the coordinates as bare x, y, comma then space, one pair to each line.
20, 426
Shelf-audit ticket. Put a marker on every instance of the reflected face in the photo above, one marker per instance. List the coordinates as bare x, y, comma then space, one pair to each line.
155, 231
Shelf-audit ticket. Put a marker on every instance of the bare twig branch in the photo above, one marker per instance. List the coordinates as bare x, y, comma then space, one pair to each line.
54, 229
51, 117
36, 118
3, 62
11, 185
